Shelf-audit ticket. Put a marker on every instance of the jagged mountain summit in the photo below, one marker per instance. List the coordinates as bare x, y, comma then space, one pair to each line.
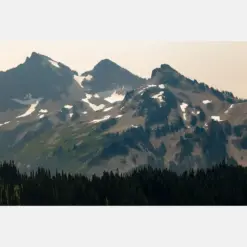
43, 86
109, 119
108, 76
39, 76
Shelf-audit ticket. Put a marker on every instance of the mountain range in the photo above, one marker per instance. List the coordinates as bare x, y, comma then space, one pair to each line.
109, 119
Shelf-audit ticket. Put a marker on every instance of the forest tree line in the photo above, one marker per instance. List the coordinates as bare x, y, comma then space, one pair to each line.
220, 185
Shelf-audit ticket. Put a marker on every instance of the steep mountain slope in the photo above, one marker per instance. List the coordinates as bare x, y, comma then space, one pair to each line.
167, 121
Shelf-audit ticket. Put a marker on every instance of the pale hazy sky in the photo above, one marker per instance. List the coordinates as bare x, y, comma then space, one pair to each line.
221, 64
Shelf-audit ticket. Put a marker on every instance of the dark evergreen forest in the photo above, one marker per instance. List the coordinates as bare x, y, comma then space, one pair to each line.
221, 185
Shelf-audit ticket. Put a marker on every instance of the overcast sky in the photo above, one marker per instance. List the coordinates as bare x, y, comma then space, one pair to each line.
222, 65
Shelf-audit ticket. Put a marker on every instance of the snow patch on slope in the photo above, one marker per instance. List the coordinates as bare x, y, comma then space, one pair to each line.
89, 96
118, 116
5, 123
68, 107
30, 110
115, 97
94, 107
88, 78
43, 111
183, 107
195, 113
159, 97
96, 96
216, 118
79, 80
205, 102
54, 63
101, 120
229, 109
107, 109
147, 87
